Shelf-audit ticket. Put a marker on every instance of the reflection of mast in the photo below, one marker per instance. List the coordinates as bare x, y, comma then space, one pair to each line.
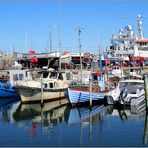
88, 121
90, 125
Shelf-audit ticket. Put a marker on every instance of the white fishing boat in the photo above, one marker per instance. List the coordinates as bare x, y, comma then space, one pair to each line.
50, 87
128, 43
129, 92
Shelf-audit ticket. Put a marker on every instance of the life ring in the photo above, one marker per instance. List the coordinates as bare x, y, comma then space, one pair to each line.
55, 85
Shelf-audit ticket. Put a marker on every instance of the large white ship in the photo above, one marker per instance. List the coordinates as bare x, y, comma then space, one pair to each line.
127, 44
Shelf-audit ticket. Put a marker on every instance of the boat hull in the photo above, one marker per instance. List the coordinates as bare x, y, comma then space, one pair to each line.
6, 90
80, 98
34, 95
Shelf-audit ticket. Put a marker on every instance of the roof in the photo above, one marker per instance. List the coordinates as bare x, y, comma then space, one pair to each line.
141, 41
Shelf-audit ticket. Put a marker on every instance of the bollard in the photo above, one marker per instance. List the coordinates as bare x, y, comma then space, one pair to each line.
146, 89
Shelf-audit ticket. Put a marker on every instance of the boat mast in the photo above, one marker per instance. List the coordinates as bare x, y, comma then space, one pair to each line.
140, 29
80, 52
26, 43
50, 42
100, 59
59, 36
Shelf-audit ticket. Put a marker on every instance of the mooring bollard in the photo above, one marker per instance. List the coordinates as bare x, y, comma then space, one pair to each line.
146, 90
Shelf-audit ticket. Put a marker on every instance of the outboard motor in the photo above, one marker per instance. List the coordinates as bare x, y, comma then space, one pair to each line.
123, 95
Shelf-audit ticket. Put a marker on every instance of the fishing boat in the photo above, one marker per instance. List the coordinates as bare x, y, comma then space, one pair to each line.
129, 92
50, 86
127, 43
96, 91
8, 79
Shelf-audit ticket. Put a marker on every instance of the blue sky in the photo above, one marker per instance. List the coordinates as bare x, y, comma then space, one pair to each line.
98, 19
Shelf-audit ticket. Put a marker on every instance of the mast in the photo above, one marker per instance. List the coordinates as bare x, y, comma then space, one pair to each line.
100, 60
80, 52
50, 42
140, 29
25, 43
59, 36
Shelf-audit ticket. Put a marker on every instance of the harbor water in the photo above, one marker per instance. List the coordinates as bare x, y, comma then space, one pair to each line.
58, 125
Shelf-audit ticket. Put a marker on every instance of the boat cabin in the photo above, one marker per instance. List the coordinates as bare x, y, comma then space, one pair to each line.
14, 76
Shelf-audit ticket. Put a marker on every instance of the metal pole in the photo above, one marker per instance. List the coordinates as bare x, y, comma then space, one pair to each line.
146, 89
80, 51
42, 89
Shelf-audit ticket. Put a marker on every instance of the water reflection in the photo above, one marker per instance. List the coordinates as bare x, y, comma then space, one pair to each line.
98, 115
65, 126
145, 136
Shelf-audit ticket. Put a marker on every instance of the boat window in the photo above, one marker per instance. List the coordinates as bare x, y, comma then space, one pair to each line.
60, 76
45, 85
95, 78
15, 77
21, 76
45, 74
51, 85
53, 75
68, 76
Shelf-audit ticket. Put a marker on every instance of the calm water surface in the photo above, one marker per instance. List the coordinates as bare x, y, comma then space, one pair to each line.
56, 124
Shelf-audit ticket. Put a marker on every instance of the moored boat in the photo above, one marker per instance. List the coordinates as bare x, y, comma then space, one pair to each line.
50, 87
8, 79
96, 91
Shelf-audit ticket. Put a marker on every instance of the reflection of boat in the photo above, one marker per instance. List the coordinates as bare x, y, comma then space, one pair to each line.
5, 101
50, 87
7, 108
51, 111
82, 115
132, 112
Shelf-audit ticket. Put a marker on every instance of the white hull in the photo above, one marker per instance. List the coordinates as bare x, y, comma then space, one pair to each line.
29, 94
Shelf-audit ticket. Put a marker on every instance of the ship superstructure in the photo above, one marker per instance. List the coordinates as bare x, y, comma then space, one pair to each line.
127, 43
